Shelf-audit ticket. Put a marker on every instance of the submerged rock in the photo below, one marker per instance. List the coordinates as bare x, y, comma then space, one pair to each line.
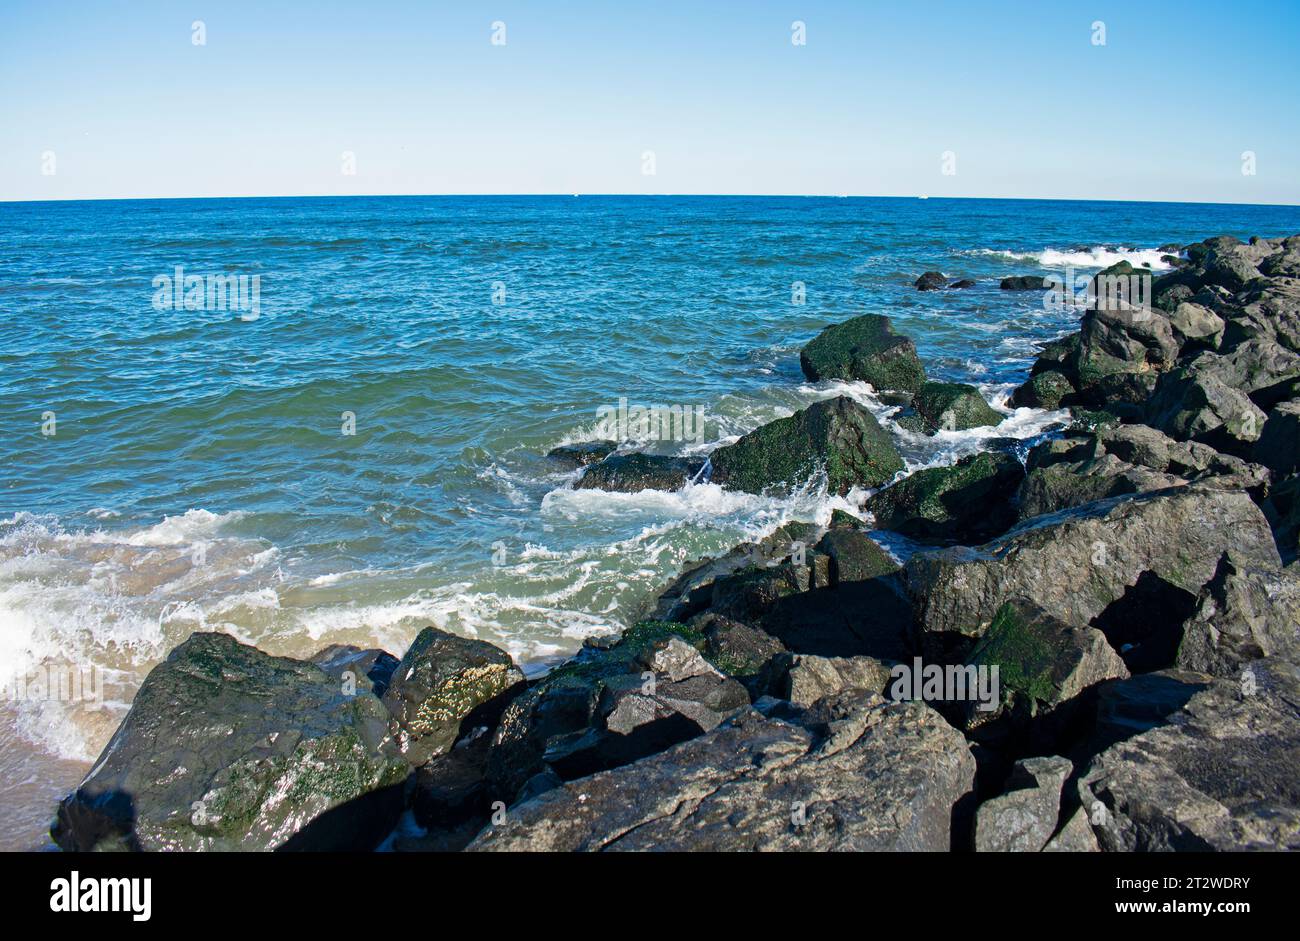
837, 437
443, 683
230, 748
1024, 282
865, 348
632, 473
862, 774
967, 502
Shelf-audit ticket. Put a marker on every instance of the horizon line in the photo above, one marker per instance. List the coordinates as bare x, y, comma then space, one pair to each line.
1056, 199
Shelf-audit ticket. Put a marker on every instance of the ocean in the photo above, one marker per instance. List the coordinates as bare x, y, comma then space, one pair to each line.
355, 446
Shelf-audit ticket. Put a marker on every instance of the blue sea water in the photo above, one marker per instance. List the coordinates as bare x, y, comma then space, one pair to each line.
199, 476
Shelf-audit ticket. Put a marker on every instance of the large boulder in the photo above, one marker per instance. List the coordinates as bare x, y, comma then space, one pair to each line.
802, 679
867, 775
931, 281
1223, 773
1194, 402
1081, 561
1044, 665
632, 473
837, 437
865, 348
1242, 614
949, 406
967, 502
443, 683
1062, 485
229, 748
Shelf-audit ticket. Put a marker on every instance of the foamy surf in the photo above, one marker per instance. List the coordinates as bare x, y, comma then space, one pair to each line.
1099, 256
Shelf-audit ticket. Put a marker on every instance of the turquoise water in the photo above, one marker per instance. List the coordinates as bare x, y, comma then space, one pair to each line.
198, 476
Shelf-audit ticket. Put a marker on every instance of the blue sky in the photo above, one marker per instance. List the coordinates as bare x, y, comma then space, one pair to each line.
1016, 91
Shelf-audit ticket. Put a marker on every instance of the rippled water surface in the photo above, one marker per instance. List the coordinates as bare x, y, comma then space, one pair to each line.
199, 477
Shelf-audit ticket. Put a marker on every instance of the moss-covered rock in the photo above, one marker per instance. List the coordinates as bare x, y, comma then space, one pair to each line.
864, 348
229, 748
952, 406
1042, 662
1044, 390
854, 557
836, 436
968, 501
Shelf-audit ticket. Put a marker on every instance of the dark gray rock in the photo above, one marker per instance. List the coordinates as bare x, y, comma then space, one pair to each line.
580, 455
1024, 282
1243, 614
1278, 447
1079, 562
874, 776
931, 281
445, 684
1221, 774
967, 502
229, 748
632, 473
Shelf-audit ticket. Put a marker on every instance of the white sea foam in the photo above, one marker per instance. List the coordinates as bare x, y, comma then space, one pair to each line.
1099, 256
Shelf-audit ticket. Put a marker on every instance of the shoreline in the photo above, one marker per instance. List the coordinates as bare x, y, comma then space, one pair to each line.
784, 647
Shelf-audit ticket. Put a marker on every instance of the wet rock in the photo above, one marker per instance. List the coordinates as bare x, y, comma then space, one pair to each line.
1242, 614
854, 557
739, 650
1023, 819
443, 683
229, 748
691, 592
931, 281
873, 776
1221, 774
580, 455
962, 284
864, 348
1078, 562
347, 664
951, 406
1024, 282
967, 502
632, 473
1045, 390
836, 437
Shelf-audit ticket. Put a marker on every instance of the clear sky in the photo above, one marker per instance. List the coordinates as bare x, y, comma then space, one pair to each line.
1017, 92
